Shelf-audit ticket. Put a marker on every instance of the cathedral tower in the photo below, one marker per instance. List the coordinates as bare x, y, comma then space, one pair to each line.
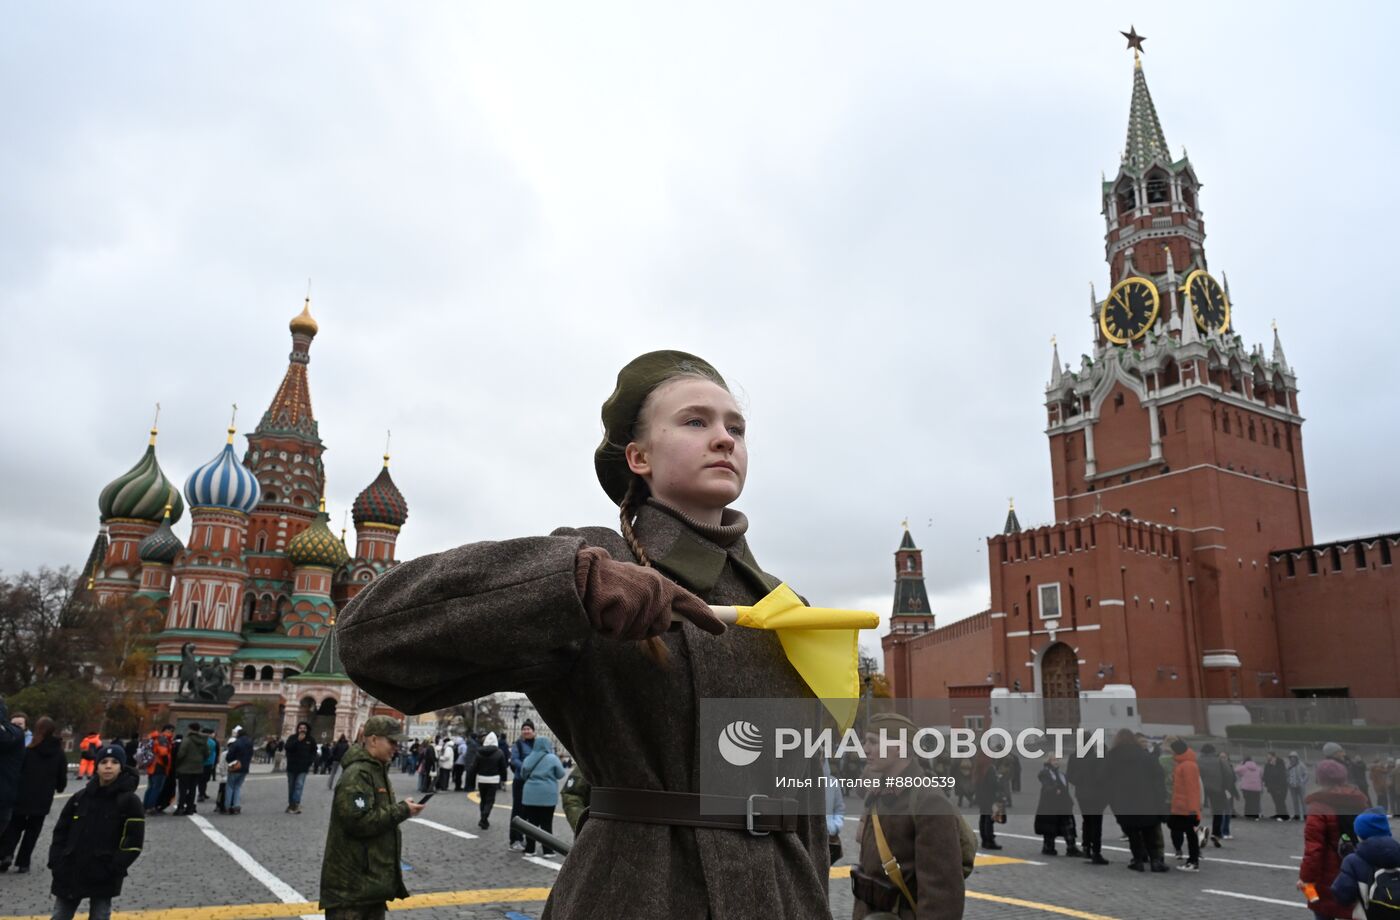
284, 453
132, 507
211, 577
316, 554
379, 512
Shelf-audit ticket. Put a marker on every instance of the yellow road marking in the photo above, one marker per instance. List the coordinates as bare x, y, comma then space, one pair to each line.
278, 909
275, 910
1037, 905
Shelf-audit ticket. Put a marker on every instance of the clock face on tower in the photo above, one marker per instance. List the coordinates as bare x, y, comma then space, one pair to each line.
1209, 305
1129, 311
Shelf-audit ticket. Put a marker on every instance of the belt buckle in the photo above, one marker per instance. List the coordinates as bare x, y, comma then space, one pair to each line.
749, 815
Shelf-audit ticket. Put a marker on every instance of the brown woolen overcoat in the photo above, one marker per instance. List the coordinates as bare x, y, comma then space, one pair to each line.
924, 833
506, 615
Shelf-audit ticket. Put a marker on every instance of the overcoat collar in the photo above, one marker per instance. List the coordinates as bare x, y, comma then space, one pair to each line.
692, 559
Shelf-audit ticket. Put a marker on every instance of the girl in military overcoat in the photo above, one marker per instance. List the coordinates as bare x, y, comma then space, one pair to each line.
581, 621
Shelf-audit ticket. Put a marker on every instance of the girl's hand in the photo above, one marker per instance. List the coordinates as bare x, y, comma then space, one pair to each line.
631, 602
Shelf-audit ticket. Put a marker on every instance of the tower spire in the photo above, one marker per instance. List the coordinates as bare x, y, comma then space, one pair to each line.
1146, 143
1013, 523
290, 411
1055, 372
1279, 359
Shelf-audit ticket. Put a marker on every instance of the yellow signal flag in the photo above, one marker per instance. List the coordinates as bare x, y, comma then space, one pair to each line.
821, 643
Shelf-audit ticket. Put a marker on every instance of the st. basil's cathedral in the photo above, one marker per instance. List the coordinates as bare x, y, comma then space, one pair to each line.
260, 580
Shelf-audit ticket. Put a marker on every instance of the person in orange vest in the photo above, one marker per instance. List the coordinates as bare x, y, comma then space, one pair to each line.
88, 748
153, 756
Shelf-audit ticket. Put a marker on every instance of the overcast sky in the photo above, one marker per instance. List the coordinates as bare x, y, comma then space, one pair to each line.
871, 217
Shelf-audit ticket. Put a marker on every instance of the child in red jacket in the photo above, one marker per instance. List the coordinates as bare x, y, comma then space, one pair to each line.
1336, 802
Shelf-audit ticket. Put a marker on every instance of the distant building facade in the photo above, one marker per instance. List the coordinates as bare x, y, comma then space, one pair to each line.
1181, 563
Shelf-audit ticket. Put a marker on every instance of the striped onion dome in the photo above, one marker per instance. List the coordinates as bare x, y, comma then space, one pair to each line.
381, 502
316, 545
224, 482
161, 545
142, 492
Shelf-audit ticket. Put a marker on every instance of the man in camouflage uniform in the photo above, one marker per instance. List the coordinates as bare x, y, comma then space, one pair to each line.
362, 866
575, 796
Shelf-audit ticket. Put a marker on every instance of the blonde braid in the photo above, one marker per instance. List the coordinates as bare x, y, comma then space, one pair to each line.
636, 496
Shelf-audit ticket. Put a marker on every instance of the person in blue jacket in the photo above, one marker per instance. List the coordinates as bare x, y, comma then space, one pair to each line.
541, 773
519, 750
1377, 850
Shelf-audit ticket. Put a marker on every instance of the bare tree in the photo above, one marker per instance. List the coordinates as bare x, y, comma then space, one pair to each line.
41, 635
481, 714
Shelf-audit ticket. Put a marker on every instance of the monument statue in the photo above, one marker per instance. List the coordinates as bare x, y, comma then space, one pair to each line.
203, 680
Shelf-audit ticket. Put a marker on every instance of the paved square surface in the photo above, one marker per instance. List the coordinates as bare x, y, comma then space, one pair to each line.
264, 863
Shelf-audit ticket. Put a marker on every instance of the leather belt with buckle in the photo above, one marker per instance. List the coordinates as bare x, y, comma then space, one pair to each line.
757, 814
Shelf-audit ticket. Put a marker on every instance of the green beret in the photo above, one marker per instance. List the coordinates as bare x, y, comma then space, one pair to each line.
634, 384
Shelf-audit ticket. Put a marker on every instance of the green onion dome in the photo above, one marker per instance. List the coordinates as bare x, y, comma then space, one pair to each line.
381, 502
316, 545
142, 492
161, 545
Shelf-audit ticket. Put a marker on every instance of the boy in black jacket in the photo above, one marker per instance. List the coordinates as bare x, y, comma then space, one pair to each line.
97, 838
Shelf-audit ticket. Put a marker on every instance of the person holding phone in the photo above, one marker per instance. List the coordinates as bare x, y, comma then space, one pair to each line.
363, 865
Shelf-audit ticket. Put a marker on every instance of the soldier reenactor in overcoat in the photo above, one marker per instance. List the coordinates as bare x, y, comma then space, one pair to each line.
581, 621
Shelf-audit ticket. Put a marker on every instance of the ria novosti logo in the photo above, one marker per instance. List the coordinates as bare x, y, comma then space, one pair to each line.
740, 743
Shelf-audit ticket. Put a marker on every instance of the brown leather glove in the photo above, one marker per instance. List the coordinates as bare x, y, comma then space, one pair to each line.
630, 602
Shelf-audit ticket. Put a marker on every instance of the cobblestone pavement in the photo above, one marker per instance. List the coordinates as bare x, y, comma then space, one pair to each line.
265, 863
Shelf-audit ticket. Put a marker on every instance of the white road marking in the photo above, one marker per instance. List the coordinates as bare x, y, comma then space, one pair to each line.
541, 861
444, 828
1205, 855
1254, 897
284, 892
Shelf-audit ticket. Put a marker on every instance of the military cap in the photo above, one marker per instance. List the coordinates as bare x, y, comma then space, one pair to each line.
634, 384
384, 727
890, 720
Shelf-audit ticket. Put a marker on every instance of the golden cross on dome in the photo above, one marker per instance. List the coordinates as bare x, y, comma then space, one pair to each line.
387, 435
231, 420
154, 425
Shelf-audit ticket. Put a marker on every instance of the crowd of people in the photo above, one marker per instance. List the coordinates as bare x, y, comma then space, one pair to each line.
1165, 790
1158, 791
482, 762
